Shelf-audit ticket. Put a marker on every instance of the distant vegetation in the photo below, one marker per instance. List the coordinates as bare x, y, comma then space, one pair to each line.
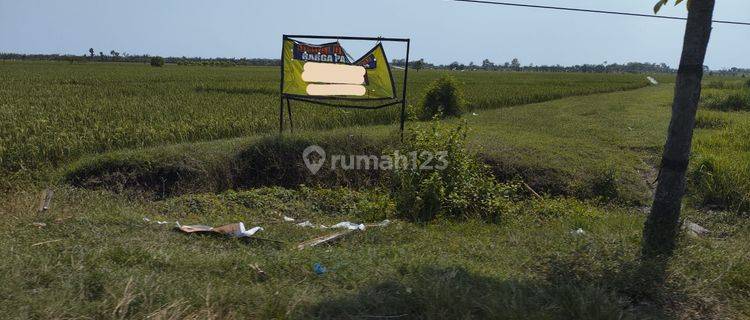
157, 61
115, 56
486, 65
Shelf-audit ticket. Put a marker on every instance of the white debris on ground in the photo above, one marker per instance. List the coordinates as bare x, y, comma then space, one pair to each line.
348, 225
578, 232
161, 223
247, 233
235, 230
344, 225
695, 229
306, 224
653, 81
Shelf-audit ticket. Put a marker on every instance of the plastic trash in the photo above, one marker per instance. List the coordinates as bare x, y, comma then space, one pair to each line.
348, 225
578, 232
383, 223
306, 224
161, 223
329, 238
344, 225
236, 230
319, 269
288, 219
248, 233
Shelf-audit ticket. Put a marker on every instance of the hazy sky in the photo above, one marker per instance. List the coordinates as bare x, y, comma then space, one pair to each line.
441, 31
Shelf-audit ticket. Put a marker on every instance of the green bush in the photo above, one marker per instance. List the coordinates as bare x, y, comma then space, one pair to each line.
157, 61
728, 100
709, 121
747, 84
444, 97
720, 84
459, 186
720, 170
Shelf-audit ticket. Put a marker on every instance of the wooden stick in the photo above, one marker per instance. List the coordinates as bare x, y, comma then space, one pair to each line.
45, 200
42, 200
531, 190
323, 239
46, 242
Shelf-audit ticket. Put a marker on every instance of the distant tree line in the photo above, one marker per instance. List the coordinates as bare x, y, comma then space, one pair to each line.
115, 56
515, 65
487, 65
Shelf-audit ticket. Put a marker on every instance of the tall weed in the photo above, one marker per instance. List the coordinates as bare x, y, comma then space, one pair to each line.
463, 188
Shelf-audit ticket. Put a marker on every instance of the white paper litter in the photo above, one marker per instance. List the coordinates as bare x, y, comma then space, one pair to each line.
288, 219
652, 80
578, 232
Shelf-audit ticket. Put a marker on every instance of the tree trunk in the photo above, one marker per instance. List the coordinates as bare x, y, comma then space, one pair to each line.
662, 226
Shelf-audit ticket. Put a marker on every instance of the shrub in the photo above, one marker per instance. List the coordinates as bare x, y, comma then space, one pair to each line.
720, 170
747, 83
157, 61
716, 84
731, 100
444, 97
709, 121
462, 189
604, 184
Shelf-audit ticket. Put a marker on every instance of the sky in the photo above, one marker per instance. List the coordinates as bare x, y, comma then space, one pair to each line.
441, 31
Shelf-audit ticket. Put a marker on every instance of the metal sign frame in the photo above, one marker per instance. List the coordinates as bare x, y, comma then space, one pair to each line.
326, 101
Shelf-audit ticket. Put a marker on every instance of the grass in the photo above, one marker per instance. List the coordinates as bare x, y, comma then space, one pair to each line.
591, 156
53, 112
98, 258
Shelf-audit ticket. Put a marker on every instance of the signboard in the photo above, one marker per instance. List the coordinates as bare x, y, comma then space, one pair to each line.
325, 71
325, 74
